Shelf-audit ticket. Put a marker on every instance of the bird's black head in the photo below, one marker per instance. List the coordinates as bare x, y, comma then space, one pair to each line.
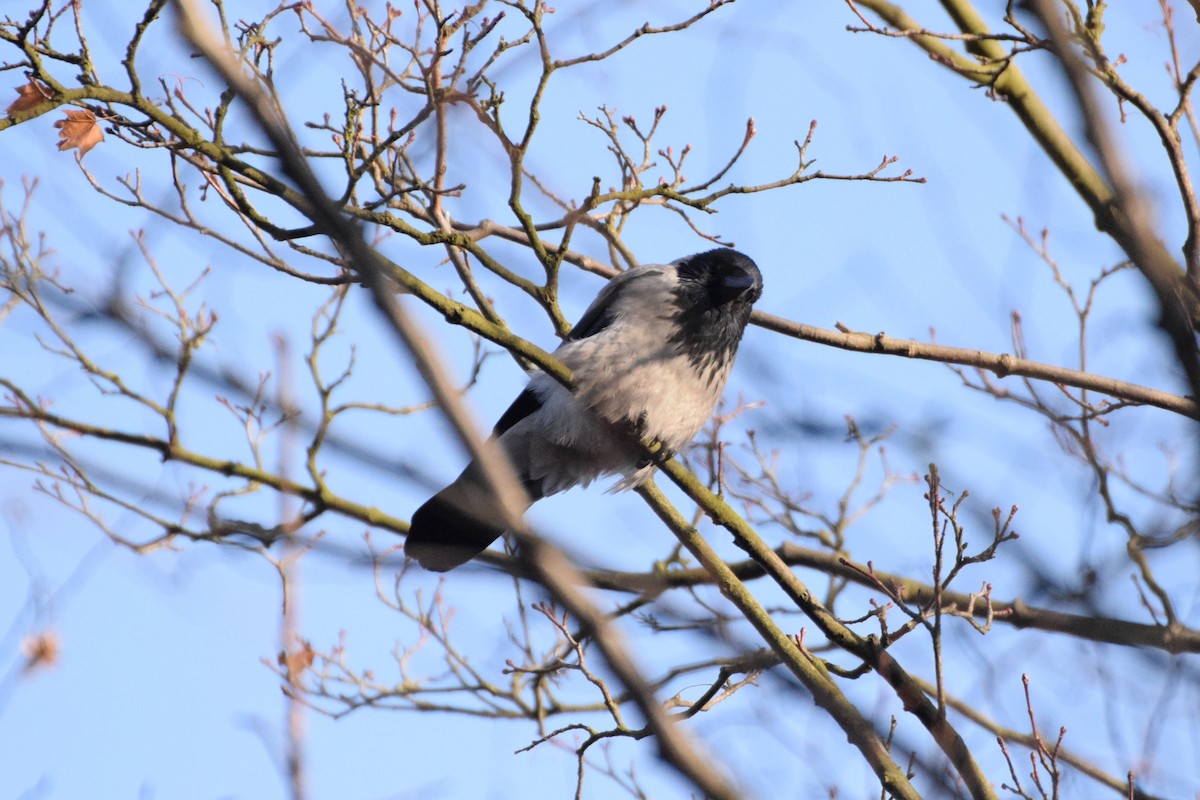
714, 297
724, 276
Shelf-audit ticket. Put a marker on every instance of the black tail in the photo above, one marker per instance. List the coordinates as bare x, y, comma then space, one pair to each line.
458, 523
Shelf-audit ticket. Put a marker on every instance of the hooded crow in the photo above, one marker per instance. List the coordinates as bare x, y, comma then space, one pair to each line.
650, 357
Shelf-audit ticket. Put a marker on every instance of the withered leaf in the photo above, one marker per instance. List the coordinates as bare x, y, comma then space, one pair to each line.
40, 650
29, 96
297, 661
80, 129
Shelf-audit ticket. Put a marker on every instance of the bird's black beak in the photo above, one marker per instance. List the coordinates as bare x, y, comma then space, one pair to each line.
737, 283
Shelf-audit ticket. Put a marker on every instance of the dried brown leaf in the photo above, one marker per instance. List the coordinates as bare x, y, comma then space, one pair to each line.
40, 651
80, 129
31, 95
296, 662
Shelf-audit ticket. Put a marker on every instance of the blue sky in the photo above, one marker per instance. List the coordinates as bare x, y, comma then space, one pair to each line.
161, 691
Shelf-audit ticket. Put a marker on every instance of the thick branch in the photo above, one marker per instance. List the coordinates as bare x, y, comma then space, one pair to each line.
868, 649
1117, 211
1002, 364
809, 671
1015, 612
552, 569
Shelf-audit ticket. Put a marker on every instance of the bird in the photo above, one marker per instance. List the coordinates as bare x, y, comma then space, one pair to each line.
650, 357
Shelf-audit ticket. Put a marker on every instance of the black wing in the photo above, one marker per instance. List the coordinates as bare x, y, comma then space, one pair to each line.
526, 403
601, 313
